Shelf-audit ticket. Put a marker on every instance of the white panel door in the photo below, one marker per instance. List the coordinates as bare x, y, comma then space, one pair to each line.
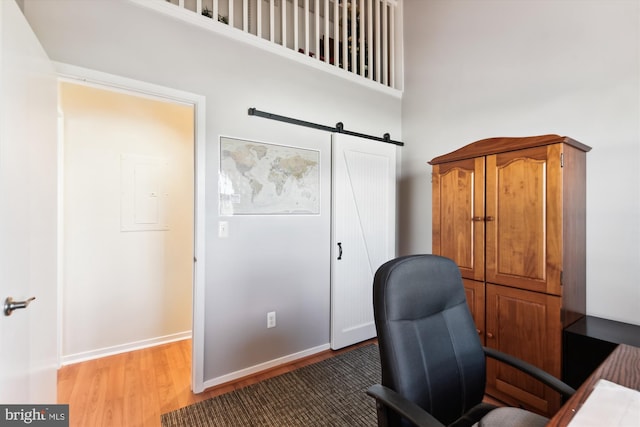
28, 203
363, 232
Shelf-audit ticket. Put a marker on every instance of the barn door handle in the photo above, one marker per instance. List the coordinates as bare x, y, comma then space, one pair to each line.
10, 305
339, 250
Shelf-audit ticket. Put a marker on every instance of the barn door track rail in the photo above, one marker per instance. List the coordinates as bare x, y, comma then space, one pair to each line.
339, 127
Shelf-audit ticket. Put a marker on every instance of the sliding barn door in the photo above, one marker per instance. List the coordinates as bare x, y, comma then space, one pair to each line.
363, 232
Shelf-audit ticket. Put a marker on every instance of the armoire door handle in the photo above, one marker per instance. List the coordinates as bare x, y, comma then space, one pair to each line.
339, 250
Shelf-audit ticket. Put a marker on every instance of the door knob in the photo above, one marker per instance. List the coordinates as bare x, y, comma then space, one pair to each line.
10, 305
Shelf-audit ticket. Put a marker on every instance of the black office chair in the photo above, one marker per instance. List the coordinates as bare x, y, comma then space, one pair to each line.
433, 364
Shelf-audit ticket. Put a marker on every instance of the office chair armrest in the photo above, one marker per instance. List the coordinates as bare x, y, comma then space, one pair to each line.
407, 409
534, 371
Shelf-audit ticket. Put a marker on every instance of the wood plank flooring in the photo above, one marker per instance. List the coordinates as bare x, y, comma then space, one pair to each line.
135, 388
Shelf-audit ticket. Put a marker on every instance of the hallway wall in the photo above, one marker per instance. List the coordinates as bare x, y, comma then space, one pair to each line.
128, 254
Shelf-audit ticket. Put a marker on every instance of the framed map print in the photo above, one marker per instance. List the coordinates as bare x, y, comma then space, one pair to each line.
258, 178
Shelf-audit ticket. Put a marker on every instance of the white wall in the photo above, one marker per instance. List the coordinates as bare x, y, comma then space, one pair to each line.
479, 69
124, 289
278, 263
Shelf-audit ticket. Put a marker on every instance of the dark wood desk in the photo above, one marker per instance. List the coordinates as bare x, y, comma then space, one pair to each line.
621, 367
587, 342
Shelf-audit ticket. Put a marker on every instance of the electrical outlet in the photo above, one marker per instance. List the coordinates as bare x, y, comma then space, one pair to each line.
271, 319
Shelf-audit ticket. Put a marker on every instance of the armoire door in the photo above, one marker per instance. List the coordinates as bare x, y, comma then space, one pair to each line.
363, 232
474, 292
458, 214
524, 219
526, 325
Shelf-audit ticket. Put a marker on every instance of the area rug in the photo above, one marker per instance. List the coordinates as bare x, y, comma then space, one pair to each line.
327, 393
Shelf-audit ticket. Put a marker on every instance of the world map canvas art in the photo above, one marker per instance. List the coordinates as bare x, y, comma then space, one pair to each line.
259, 178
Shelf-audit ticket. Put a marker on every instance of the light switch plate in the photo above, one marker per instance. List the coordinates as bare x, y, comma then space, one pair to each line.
223, 229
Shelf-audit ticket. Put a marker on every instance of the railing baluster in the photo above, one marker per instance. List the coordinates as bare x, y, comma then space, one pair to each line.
392, 46
272, 22
230, 9
353, 43
296, 29
385, 44
283, 15
336, 33
199, 7
361, 41
316, 40
306, 27
245, 15
181, 3
369, 40
215, 10
258, 18
378, 49
345, 41
326, 31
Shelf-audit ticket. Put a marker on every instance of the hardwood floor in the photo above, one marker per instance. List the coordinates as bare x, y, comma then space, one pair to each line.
135, 388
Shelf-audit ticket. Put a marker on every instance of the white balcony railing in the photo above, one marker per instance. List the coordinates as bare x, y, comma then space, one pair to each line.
357, 36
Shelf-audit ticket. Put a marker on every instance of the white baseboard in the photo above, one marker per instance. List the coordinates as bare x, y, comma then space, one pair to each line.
122, 348
264, 366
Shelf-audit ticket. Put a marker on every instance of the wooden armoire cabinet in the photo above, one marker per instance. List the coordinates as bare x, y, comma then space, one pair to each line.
511, 213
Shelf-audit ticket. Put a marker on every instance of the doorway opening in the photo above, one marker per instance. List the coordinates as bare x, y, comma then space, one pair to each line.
131, 189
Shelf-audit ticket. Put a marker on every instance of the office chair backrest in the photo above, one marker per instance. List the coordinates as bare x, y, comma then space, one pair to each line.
429, 347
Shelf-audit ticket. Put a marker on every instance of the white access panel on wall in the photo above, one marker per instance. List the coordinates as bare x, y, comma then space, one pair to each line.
143, 193
362, 232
